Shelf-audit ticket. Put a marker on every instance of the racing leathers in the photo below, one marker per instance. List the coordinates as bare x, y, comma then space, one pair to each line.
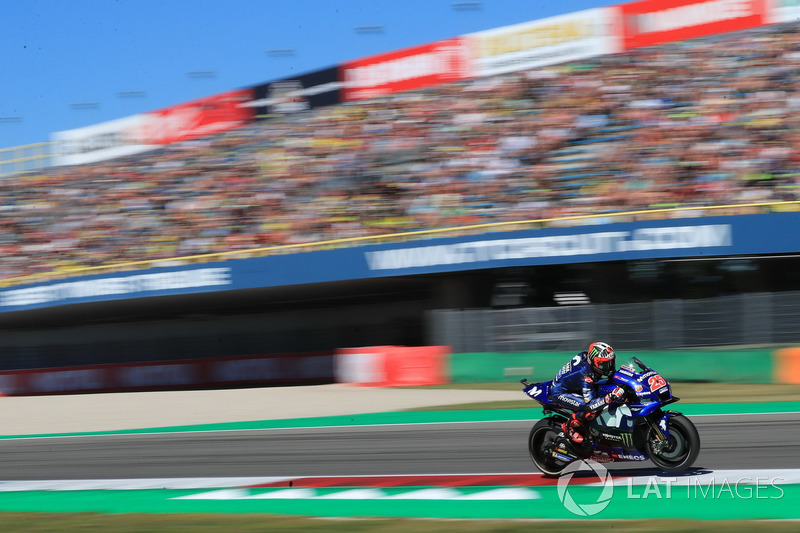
574, 388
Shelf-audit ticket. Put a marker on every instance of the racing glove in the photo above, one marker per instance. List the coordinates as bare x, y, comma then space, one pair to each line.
616, 395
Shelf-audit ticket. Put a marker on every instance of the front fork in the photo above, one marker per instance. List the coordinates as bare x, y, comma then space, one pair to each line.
659, 429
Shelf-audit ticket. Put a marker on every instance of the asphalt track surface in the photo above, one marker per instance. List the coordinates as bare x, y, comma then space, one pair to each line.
728, 442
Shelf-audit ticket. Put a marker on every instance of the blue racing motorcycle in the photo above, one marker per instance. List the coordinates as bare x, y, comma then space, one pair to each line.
636, 429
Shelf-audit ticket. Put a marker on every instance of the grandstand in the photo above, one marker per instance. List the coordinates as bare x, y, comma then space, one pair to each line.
668, 127
687, 129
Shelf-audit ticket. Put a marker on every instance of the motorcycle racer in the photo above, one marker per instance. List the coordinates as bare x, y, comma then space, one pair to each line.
574, 388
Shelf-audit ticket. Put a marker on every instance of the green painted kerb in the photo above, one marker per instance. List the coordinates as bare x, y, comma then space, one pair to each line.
731, 366
701, 503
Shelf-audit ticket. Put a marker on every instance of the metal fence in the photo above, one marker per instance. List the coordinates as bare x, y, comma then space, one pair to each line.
743, 319
27, 158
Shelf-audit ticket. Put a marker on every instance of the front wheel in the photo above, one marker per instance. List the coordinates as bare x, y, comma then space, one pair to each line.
541, 442
682, 448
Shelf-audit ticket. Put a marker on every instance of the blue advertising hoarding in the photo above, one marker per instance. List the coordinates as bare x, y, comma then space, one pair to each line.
696, 237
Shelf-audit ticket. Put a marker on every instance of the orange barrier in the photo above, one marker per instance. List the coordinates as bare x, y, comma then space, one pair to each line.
361, 366
423, 365
392, 366
786, 366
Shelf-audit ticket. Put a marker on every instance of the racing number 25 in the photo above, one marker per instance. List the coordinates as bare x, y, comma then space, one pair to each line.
656, 382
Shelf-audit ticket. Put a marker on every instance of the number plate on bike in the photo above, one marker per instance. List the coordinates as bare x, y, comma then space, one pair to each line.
656, 382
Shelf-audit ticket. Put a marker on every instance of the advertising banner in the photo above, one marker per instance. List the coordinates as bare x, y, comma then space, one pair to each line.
277, 369
125, 285
140, 133
782, 11
392, 366
198, 118
99, 142
687, 237
300, 93
653, 22
404, 70
545, 42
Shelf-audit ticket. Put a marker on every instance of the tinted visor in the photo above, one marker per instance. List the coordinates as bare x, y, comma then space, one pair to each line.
604, 365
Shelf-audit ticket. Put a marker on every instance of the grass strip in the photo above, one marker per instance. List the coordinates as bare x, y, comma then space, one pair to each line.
225, 523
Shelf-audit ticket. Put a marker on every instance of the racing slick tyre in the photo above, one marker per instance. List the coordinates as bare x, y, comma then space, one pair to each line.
541, 442
682, 448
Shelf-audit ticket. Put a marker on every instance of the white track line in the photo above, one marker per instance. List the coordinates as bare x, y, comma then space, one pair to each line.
743, 476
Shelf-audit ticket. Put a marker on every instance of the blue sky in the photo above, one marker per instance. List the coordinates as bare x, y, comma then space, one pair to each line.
72, 63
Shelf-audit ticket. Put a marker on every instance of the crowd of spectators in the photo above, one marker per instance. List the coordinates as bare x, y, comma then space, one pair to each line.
691, 124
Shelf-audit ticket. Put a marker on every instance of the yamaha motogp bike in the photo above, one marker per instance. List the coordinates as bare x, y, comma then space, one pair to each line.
637, 429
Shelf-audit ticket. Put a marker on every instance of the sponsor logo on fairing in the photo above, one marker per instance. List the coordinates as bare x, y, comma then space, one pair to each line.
629, 457
571, 401
602, 457
536, 391
646, 375
627, 439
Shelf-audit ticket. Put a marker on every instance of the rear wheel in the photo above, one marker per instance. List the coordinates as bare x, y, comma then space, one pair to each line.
680, 450
541, 442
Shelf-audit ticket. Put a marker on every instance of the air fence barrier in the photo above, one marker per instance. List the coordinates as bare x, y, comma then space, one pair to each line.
733, 365
748, 319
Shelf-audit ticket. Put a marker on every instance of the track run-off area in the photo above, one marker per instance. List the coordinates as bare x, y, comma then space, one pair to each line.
437, 464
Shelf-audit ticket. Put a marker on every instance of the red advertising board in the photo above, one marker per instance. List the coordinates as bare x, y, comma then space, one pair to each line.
198, 118
407, 69
392, 366
653, 22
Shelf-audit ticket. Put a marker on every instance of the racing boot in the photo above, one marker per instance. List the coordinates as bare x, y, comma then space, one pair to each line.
573, 428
